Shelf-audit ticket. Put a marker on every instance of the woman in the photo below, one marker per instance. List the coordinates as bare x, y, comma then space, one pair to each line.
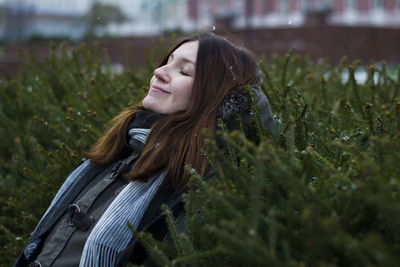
203, 78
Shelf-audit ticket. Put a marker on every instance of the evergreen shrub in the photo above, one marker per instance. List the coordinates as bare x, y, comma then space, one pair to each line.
323, 190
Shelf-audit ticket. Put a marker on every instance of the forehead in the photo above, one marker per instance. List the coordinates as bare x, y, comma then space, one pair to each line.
187, 51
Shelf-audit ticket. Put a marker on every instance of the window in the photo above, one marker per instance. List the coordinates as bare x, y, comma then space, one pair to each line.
283, 6
377, 4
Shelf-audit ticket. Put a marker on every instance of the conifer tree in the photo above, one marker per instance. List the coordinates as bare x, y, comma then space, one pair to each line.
323, 190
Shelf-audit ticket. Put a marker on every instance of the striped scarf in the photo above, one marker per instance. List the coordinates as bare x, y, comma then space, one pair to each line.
111, 235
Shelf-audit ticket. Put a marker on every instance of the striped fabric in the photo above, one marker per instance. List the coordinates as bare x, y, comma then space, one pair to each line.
111, 235
139, 134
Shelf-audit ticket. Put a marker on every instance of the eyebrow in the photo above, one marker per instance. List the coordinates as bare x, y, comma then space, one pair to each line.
183, 59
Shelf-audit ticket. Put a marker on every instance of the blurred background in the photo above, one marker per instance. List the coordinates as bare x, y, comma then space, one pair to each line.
368, 30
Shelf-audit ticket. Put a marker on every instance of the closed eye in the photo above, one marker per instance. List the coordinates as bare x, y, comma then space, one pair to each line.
185, 73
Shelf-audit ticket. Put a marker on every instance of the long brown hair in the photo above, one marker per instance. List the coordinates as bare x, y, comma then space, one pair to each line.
176, 140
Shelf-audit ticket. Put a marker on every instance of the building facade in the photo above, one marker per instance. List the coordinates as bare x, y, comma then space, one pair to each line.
293, 13
22, 19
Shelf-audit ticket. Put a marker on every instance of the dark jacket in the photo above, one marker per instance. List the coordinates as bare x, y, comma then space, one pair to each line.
151, 221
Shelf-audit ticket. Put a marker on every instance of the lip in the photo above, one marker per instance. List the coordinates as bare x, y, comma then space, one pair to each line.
158, 89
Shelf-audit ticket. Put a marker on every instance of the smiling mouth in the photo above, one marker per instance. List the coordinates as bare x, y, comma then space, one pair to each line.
158, 89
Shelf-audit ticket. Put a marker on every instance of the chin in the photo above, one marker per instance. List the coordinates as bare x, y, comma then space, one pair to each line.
152, 107
148, 104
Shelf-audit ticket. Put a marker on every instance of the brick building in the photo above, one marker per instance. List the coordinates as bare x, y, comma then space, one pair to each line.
293, 13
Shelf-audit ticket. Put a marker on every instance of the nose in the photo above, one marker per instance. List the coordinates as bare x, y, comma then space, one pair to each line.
161, 74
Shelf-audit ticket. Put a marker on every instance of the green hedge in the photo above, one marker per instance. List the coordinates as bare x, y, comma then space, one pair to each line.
324, 190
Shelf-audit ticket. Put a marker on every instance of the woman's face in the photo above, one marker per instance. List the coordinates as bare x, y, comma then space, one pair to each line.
171, 85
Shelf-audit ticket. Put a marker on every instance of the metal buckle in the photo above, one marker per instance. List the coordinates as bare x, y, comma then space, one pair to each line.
79, 219
70, 213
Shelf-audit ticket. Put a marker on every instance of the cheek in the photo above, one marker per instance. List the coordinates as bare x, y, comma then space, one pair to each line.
187, 92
